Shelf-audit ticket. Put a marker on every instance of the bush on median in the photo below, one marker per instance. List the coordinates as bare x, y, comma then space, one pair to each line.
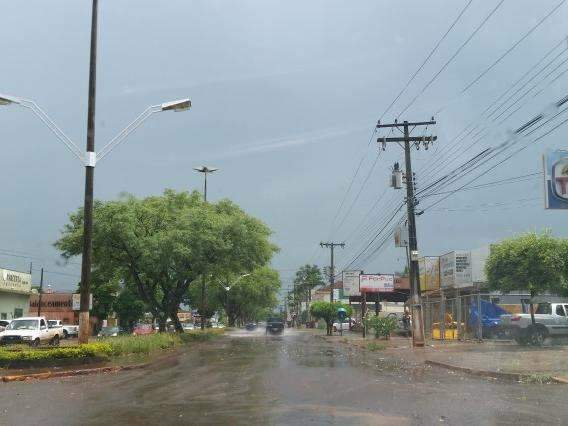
91, 350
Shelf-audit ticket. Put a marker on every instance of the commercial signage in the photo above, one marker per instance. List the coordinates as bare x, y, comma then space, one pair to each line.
16, 282
401, 236
375, 283
455, 269
77, 302
429, 268
556, 179
337, 294
351, 283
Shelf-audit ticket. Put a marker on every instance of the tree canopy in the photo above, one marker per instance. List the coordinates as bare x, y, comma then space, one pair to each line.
327, 311
534, 262
163, 244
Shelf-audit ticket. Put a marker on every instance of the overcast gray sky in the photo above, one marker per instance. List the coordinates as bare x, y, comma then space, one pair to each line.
285, 95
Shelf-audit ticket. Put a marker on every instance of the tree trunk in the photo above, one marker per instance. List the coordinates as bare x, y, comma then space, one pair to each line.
531, 307
175, 319
162, 323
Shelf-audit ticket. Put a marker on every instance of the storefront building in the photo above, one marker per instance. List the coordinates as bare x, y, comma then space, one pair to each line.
15, 290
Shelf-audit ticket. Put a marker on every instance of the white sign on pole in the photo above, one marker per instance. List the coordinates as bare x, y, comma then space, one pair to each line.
401, 236
77, 302
375, 283
336, 294
455, 269
351, 283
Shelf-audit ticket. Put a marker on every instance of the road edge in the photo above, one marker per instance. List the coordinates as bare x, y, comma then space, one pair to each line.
492, 374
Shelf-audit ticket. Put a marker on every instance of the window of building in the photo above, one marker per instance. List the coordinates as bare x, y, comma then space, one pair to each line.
18, 312
3, 315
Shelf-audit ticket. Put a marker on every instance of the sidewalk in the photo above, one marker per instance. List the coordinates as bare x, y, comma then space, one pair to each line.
498, 357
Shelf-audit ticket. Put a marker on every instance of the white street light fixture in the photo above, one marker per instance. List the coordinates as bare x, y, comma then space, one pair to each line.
177, 106
8, 100
92, 158
227, 288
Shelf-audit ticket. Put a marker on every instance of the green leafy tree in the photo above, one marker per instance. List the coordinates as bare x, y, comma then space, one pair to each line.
164, 244
328, 312
248, 298
307, 278
129, 308
533, 262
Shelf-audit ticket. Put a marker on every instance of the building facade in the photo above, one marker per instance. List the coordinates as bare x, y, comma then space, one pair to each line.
55, 306
15, 290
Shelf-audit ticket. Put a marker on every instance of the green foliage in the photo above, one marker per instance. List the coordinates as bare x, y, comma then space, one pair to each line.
129, 308
307, 278
533, 262
90, 350
374, 346
249, 298
328, 312
123, 345
161, 245
382, 326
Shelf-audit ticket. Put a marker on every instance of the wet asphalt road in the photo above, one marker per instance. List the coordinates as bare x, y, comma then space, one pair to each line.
296, 379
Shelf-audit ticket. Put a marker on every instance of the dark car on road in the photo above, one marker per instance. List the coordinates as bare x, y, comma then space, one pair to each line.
251, 326
274, 325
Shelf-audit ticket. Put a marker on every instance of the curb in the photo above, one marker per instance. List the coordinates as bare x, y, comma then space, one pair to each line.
493, 374
70, 373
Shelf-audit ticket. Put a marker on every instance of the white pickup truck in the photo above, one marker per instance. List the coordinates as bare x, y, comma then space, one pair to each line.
68, 329
551, 320
31, 330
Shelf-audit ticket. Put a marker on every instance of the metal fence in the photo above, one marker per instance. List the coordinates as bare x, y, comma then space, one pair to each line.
449, 315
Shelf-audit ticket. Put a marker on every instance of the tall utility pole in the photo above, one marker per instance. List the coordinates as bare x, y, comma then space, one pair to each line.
331, 245
84, 327
413, 273
40, 293
205, 170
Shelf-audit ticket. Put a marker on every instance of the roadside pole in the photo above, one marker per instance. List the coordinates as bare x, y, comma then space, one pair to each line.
416, 305
363, 312
331, 245
90, 160
40, 293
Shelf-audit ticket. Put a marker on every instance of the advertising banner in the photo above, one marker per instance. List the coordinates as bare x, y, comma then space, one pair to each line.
351, 283
375, 283
429, 268
77, 302
556, 179
15, 282
455, 269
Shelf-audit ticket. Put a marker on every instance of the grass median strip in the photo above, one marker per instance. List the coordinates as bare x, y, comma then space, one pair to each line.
101, 350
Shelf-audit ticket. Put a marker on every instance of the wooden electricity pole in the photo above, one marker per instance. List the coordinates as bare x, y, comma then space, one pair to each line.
407, 140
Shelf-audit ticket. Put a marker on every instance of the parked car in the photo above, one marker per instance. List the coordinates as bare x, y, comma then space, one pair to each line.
274, 325
4, 323
250, 326
68, 329
346, 325
490, 319
31, 330
188, 326
551, 320
142, 329
110, 332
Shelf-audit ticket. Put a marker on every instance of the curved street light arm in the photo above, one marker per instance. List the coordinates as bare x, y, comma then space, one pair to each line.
118, 139
42, 115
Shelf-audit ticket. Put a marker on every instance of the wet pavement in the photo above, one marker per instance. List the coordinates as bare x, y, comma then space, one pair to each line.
294, 379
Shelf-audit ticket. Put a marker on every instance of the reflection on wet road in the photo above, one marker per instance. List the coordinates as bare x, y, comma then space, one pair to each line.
249, 378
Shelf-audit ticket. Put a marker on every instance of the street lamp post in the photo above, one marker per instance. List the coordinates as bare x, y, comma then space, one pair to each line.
228, 288
89, 160
205, 170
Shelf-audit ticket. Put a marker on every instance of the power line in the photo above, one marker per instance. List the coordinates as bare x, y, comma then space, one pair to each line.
456, 53
513, 47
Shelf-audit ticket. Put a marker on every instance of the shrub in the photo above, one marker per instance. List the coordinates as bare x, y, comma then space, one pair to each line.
124, 345
383, 326
90, 350
373, 346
